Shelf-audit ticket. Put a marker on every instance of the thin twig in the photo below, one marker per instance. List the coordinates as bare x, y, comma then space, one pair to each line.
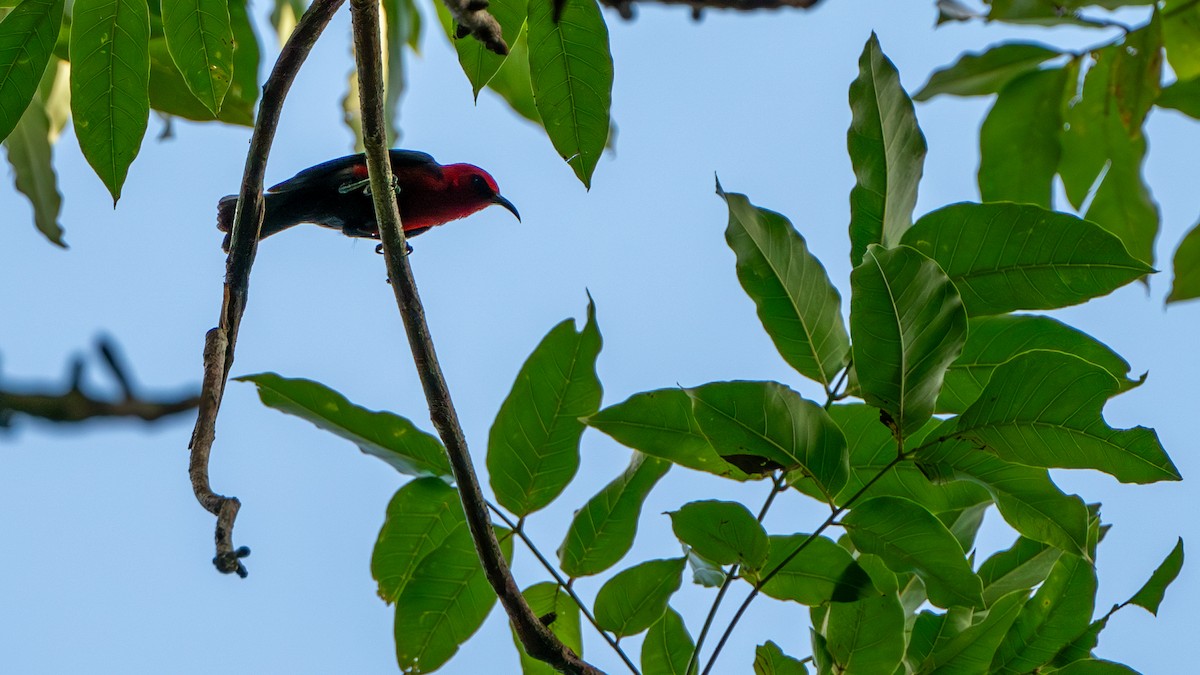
562, 583
536, 637
776, 487
220, 341
712, 660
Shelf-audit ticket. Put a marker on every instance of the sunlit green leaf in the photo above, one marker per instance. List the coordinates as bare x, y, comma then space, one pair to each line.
982, 73
1186, 284
110, 74
660, 423
385, 435
27, 38
548, 600
821, 572
1151, 594
970, 652
513, 82
992, 340
533, 447
1004, 257
478, 62
910, 539
1043, 408
1018, 142
444, 603
29, 155
601, 532
723, 532
1060, 610
887, 150
769, 659
631, 601
200, 40
420, 517
1183, 95
667, 646
908, 325
768, 420
572, 73
1181, 37
1019, 568
865, 636
797, 304
1096, 667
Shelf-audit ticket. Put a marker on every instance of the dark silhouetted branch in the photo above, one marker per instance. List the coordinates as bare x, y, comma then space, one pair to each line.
220, 341
72, 404
538, 640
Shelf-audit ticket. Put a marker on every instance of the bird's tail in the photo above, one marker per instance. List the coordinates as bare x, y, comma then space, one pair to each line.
275, 218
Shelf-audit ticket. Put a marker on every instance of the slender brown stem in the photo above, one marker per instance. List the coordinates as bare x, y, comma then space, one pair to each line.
791, 556
220, 341
518, 527
538, 640
776, 488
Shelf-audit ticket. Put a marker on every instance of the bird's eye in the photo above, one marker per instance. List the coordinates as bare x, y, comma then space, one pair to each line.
480, 184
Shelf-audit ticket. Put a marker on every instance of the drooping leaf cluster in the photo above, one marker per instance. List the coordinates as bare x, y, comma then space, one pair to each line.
964, 405
1081, 116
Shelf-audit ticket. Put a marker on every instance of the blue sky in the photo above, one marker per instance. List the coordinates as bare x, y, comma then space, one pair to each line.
107, 553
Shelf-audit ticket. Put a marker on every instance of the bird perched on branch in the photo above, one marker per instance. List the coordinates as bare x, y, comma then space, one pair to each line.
336, 194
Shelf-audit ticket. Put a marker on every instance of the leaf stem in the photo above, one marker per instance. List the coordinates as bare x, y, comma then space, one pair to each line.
562, 583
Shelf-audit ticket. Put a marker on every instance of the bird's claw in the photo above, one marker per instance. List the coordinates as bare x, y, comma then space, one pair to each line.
365, 184
408, 249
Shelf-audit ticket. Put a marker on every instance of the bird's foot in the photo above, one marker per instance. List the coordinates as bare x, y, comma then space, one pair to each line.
365, 184
408, 249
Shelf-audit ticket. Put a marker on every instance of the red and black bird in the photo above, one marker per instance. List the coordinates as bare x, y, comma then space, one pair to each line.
335, 194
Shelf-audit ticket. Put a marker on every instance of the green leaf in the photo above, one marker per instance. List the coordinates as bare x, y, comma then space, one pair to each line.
1186, 284
547, 600
1181, 37
887, 151
872, 449
238, 107
110, 75
1025, 496
513, 81
1060, 610
1018, 142
704, 572
27, 38
667, 646
1043, 408
1096, 667
1005, 257
572, 80
865, 636
420, 517
910, 539
55, 93
1150, 595
631, 601
723, 532
1137, 74
401, 26
769, 659
30, 155
1081, 647
982, 73
602, 532
766, 419
660, 424
964, 523
1019, 568
1182, 95
200, 39
385, 435
284, 15
445, 602
797, 304
908, 325
970, 652
822, 572
533, 447
992, 340
478, 62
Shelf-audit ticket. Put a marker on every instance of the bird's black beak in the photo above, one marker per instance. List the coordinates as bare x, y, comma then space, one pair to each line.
508, 205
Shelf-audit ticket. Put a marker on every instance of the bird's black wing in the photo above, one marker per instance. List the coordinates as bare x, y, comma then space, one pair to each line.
337, 172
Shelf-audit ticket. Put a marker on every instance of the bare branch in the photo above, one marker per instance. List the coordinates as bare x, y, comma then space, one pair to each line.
538, 640
220, 341
72, 404
473, 19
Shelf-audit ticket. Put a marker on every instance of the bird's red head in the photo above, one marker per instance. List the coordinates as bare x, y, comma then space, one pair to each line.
463, 190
